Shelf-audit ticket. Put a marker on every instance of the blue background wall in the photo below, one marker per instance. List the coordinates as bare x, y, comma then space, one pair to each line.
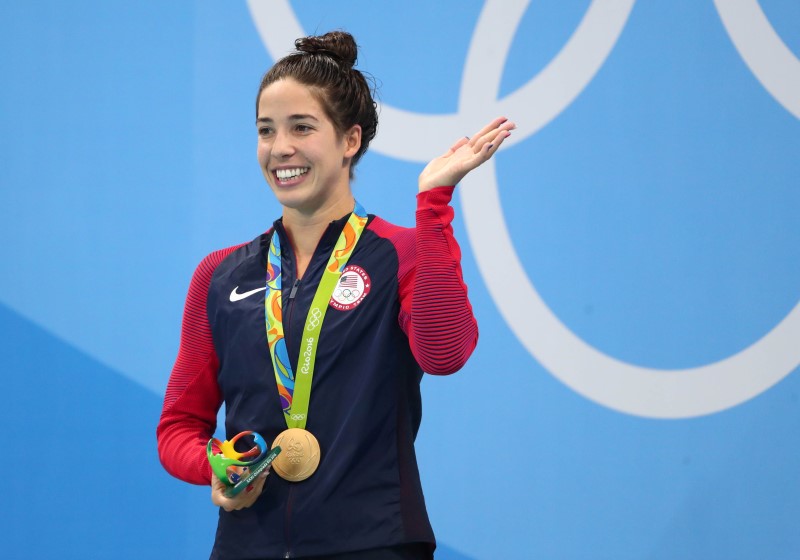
645, 407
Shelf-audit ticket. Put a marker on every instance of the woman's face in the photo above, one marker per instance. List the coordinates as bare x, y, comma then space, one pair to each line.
305, 161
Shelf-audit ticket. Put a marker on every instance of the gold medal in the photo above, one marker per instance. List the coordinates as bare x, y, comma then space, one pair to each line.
299, 456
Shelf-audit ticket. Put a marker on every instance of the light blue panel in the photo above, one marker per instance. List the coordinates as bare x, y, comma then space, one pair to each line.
656, 216
413, 49
84, 436
96, 119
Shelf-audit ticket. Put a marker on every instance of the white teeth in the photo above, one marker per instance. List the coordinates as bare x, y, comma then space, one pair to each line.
284, 174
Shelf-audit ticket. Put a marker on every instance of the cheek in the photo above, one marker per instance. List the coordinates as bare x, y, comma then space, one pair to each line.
262, 153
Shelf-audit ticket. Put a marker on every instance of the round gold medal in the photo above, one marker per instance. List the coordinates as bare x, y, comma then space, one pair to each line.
299, 456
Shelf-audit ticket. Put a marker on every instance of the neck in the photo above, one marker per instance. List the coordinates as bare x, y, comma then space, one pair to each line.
305, 229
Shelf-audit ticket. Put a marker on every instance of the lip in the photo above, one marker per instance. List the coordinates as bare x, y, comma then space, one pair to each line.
290, 181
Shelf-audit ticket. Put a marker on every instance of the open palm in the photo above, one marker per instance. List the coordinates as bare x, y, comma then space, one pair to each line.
465, 155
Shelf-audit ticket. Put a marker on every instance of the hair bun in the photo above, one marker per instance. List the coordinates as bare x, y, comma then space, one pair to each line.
339, 45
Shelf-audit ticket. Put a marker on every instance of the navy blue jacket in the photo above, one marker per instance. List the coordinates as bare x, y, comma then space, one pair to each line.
365, 406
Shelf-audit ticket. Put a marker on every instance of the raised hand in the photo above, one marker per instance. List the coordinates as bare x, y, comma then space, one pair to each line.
465, 155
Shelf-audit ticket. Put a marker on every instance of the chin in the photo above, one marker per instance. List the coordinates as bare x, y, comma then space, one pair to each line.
295, 201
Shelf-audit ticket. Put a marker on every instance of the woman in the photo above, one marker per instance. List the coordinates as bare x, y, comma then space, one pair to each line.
392, 302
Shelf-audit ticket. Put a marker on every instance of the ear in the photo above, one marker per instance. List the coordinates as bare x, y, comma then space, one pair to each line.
352, 140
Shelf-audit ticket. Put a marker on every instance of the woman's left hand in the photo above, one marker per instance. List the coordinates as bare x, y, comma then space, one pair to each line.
241, 501
465, 155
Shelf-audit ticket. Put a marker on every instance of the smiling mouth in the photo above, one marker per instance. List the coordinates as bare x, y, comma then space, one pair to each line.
287, 175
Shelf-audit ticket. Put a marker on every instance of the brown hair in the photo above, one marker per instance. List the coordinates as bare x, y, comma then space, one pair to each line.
325, 64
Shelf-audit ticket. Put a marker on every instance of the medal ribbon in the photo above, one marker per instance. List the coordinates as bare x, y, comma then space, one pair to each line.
295, 391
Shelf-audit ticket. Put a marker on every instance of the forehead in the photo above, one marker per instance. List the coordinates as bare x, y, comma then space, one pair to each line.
288, 97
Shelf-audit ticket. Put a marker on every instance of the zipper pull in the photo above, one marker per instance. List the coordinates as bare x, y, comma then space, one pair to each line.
294, 289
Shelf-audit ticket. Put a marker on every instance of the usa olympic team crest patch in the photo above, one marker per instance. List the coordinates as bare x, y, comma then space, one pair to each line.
353, 286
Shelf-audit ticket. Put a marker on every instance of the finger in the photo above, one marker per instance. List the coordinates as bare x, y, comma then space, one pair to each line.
454, 148
257, 485
490, 128
219, 499
486, 147
247, 498
252, 492
490, 132
491, 147
217, 489
490, 141
244, 499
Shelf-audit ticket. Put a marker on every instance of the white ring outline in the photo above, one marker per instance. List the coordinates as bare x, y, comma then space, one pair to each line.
641, 391
761, 48
541, 99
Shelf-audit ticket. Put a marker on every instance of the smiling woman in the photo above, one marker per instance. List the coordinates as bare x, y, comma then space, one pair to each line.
371, 307
304, 158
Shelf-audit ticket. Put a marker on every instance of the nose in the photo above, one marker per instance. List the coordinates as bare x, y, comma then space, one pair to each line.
282, 145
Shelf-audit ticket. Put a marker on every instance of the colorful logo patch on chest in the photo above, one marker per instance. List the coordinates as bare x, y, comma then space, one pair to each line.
353, 286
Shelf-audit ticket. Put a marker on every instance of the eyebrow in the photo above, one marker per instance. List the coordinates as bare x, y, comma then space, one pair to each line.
291, 118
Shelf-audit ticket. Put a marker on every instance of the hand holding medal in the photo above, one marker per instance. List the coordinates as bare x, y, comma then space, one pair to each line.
235, 469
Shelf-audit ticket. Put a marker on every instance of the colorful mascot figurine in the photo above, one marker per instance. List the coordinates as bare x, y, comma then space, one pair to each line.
238, 469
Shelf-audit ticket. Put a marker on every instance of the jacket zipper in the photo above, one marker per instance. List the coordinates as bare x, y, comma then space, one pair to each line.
288, 518
289, 308
294, 289
290, 305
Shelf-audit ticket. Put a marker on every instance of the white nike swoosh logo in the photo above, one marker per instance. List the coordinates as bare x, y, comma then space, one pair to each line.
236, 296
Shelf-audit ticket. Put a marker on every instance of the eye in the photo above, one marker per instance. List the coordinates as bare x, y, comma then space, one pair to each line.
264, 130
303, 128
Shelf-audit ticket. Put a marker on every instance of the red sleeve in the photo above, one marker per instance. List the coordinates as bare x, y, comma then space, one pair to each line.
435, 311
193, 398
